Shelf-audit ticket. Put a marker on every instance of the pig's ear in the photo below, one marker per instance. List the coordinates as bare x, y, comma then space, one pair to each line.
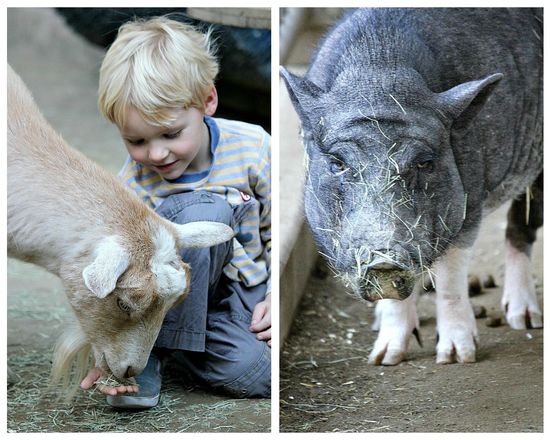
463, 102
302, 93
111, 261
203, 234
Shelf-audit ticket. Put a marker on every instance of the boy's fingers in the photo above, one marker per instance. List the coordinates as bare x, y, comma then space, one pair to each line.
104, 389
263, 336
93, 375
264, 324
258, 314
123, 389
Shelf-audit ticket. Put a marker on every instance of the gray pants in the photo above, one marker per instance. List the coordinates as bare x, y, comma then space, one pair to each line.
209, 331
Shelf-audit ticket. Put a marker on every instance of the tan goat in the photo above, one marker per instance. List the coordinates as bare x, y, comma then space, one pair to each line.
117, 258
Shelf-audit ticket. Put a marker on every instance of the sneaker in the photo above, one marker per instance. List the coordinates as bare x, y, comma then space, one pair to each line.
149, 382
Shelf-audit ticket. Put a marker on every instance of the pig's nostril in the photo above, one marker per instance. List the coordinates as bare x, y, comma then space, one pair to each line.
129, 373
398, 283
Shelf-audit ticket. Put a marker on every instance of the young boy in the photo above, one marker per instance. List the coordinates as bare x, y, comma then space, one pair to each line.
157, 85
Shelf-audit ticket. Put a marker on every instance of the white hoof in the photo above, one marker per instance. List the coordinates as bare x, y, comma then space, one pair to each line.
397, 322
457, 344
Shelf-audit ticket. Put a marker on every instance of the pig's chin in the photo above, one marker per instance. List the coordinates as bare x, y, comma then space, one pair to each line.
382, 284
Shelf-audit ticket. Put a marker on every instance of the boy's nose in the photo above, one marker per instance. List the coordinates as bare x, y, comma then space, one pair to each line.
157, 152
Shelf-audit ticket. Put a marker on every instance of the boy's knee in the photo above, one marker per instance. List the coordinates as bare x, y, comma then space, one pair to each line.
252, 372
196, 206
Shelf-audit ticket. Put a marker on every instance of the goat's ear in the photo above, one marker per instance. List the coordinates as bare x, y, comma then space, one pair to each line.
203, 234
111, 260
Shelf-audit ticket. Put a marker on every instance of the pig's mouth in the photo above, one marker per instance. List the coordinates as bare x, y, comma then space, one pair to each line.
385, 276
386, 284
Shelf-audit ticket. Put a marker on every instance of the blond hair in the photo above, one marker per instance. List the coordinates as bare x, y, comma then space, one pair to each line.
156, 66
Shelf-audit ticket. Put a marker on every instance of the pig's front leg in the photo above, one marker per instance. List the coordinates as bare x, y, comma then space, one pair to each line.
396, 322
456, 324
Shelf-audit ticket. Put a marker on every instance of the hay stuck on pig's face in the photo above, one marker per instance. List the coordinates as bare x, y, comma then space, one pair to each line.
381, 185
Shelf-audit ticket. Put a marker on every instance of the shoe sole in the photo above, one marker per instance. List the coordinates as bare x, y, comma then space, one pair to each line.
131, 402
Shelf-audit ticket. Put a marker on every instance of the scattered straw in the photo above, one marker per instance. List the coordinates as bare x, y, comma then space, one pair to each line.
181, 407
33, 407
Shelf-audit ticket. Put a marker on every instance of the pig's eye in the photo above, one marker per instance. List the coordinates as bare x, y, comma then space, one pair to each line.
425, 165
337, 168
124, 306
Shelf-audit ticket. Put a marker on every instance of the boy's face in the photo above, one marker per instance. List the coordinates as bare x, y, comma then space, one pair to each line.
171, 151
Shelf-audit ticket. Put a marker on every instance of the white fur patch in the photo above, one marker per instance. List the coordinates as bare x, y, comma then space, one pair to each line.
171, 278
111, 260
203, 234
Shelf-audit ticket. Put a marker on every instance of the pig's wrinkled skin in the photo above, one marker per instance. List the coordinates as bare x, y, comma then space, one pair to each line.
417, 122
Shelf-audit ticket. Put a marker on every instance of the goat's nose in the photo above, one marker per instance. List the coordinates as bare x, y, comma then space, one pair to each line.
129, 373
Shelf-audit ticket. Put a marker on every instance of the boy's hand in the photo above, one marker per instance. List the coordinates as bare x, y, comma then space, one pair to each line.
95, 374
261, 320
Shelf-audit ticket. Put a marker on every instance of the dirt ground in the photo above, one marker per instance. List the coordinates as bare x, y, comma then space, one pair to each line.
61, 69
327, 386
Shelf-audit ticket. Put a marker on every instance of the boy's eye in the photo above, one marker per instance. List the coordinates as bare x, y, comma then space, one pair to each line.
173, 135
136, 142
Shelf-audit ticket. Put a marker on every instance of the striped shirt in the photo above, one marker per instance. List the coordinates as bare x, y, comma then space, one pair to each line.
240, 172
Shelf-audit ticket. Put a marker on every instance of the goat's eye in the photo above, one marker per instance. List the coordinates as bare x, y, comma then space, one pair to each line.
124, 306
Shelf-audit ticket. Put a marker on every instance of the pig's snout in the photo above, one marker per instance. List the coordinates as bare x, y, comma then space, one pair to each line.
388, 274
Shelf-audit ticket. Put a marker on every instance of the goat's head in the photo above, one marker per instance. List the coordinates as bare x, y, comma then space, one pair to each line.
128, 287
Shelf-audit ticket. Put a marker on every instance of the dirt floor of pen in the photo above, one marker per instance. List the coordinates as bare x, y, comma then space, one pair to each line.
326, 384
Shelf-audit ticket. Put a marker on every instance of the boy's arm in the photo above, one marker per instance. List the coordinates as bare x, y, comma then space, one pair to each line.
262, 191
261, 317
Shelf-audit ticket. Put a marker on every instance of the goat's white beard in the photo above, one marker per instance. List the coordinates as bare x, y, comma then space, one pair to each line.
71, 361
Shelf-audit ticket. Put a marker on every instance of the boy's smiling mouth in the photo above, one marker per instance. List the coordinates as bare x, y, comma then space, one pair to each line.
166, 167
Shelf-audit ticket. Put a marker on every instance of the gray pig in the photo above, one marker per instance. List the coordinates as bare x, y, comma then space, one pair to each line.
417, 123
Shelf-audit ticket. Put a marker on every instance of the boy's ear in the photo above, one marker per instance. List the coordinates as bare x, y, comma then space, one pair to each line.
211, 103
